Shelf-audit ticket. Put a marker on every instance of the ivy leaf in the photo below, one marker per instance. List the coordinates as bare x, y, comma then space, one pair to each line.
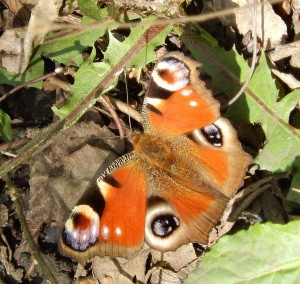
266, 253
91, 74
260, 105
5, 126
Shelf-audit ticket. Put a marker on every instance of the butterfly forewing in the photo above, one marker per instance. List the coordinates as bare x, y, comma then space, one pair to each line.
177, 101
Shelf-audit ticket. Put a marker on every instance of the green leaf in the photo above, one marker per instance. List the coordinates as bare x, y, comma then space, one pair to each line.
91, 9
91, 74
65, 48
259, 105
34, 70
68, 49
266, 253
5, 126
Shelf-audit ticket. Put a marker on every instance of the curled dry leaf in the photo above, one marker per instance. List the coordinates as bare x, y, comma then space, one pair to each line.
288, 79
8, 20
15, 273
17, 44
274, 30
291, 49
285, 50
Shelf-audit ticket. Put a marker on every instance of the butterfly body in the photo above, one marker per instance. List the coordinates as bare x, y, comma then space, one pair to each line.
174, 186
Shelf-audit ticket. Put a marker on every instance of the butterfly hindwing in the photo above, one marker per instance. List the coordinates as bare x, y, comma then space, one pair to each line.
115, 230
216, 151
178, 214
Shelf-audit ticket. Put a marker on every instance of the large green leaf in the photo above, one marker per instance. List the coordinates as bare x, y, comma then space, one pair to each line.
266, 253
68, 48
91, 74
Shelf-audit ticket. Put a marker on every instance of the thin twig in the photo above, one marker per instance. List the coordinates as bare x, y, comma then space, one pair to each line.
113, 113
54, 73
34, 249
170, 21
127, 97
123, 107
14, 145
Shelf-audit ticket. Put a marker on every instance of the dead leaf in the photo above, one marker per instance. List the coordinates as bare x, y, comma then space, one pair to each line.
271, 31
3, 215
146, 266
17, 45
171, 7
19, 10
63, 171
15, 273
288, 79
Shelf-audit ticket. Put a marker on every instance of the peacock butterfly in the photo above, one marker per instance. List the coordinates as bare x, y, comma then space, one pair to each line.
174, 186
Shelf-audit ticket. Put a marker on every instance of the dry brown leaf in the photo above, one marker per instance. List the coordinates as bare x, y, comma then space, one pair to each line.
15, 273
295, 59
174, 266
17, 44
7, 20
63, 171
288, 79
88, 280
29, 3
18, 9
274, 30
170, 7
3, 215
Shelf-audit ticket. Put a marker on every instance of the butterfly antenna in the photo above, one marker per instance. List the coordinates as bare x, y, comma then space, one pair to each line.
127, 99
254, 58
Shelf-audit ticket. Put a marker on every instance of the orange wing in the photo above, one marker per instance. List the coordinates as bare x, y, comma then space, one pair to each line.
218, 154
177, 101
179, 214
189, 192
116, 229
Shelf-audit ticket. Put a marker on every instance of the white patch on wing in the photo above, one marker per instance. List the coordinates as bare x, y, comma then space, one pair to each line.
186, 92
104, 233
118, 231
177, 69
193, 103
154, 101
104, 188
